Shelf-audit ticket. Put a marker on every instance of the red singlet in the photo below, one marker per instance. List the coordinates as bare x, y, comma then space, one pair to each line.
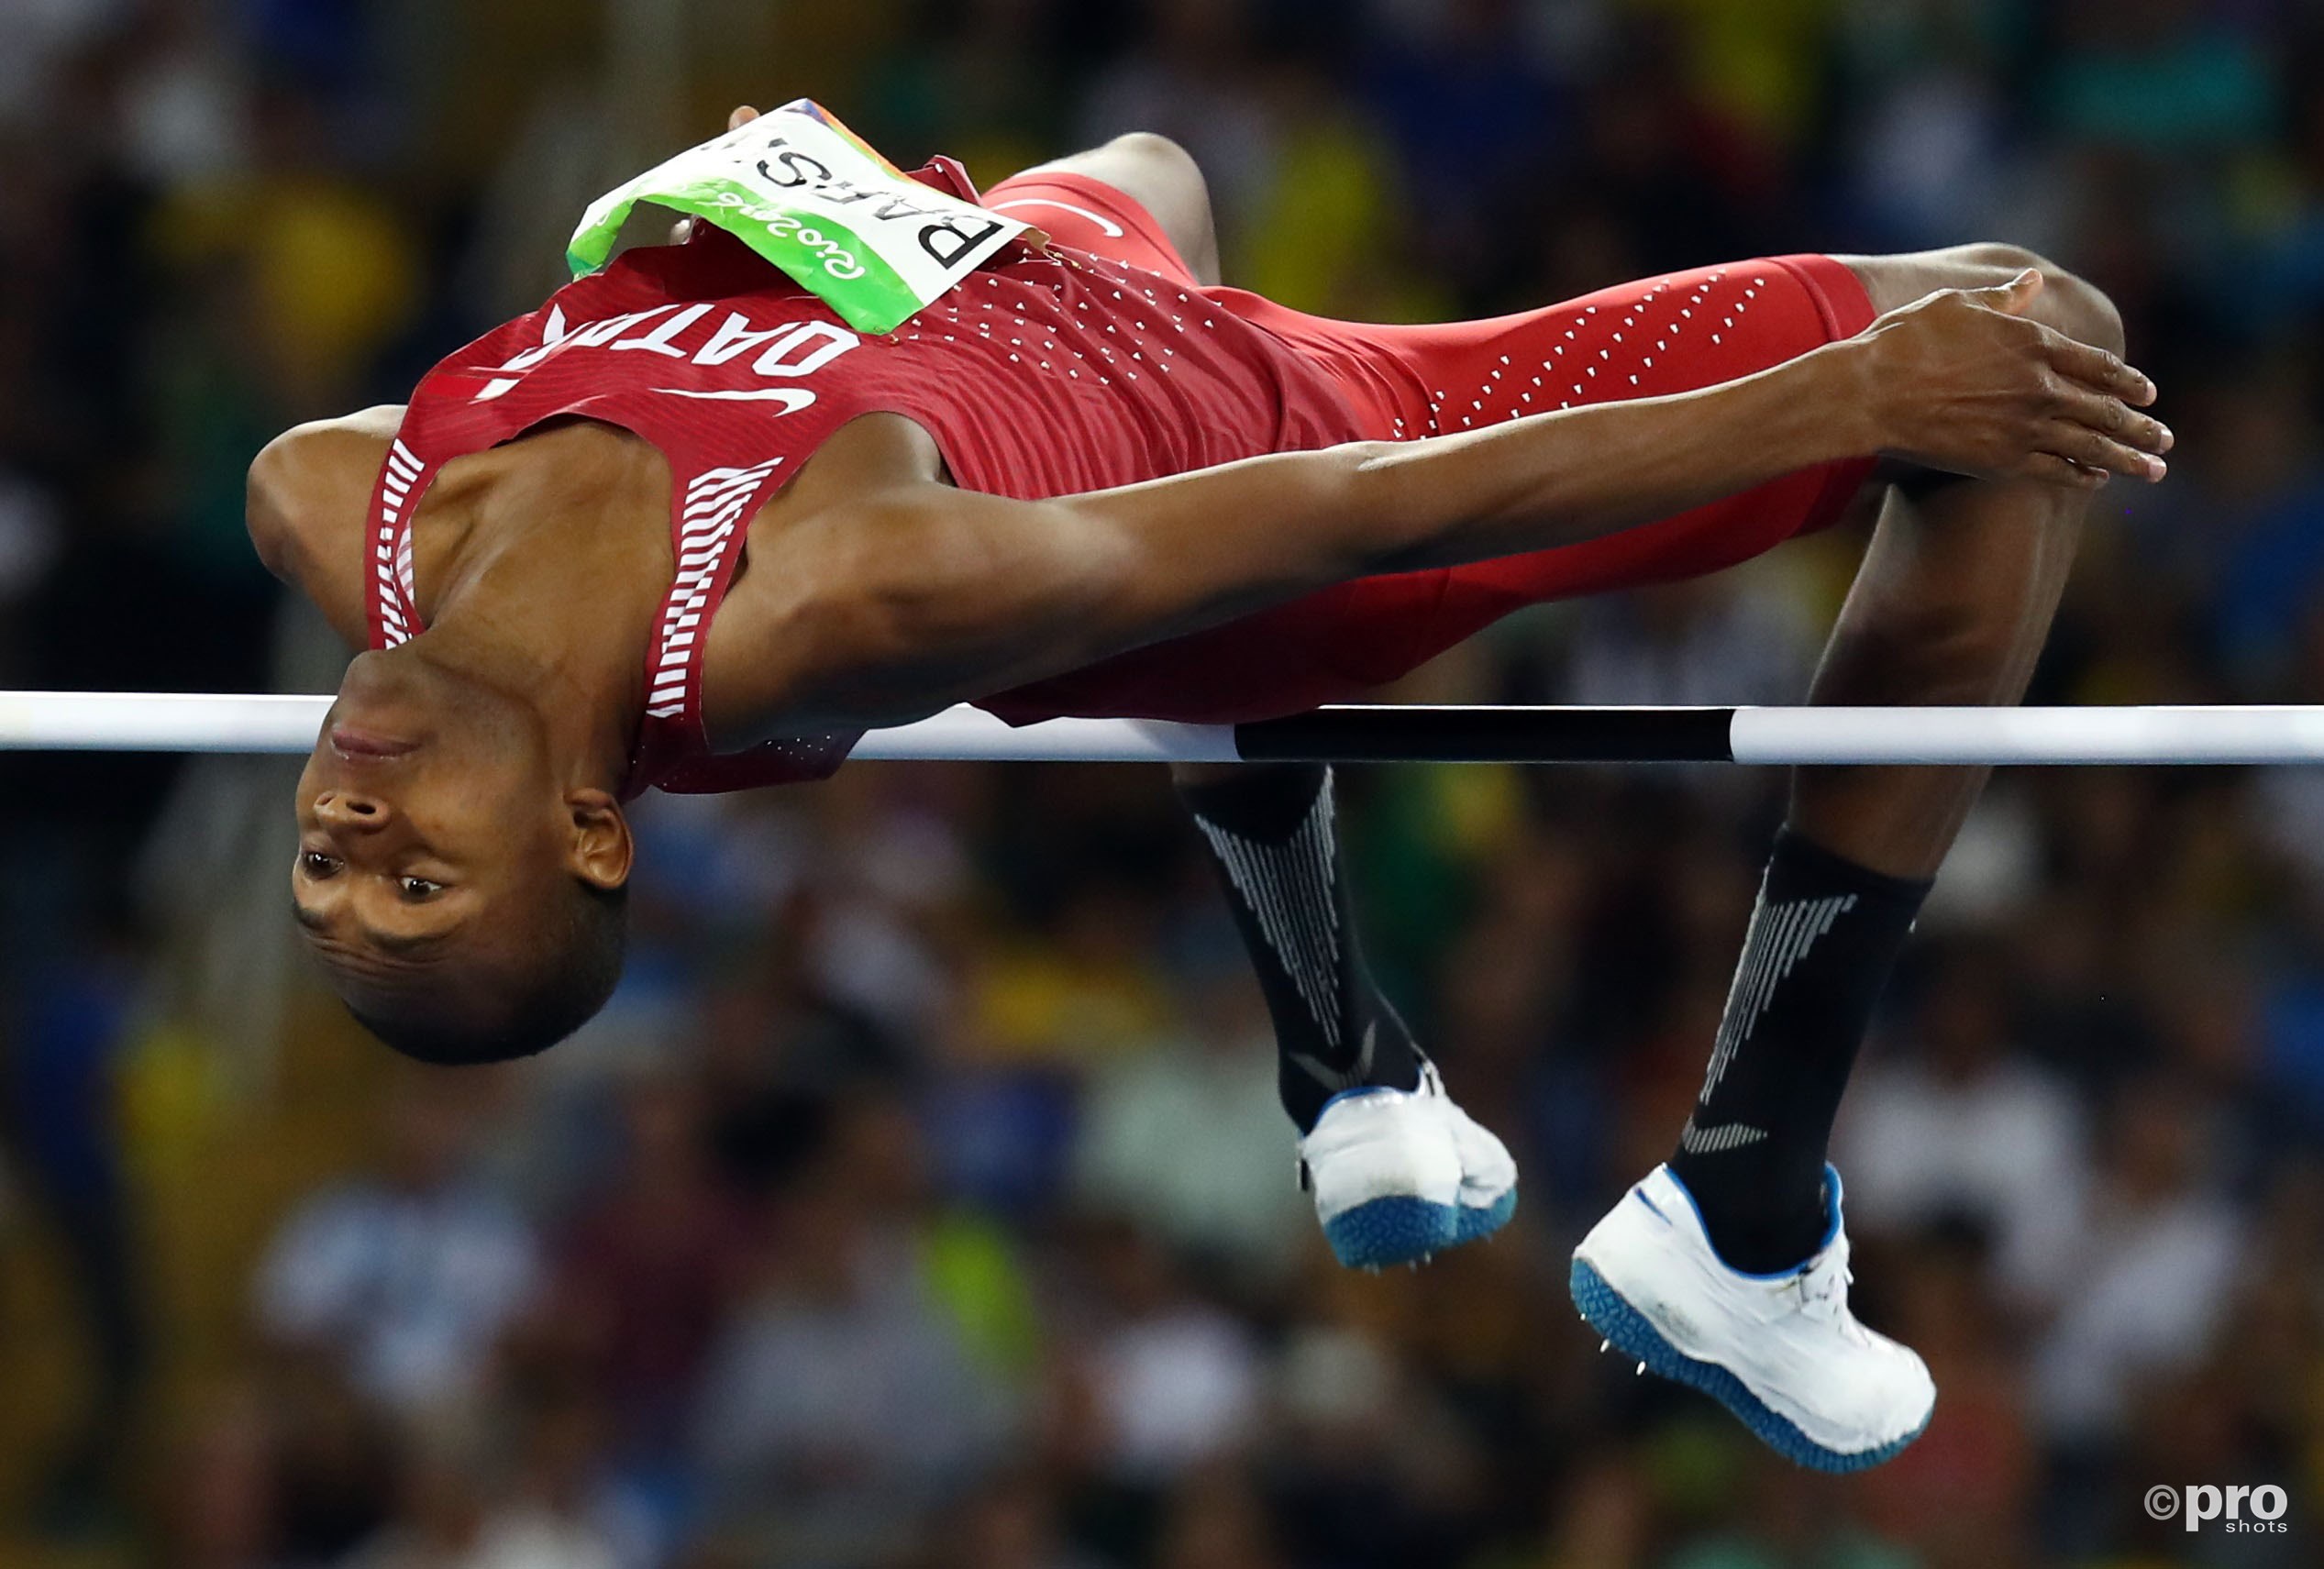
1097, 363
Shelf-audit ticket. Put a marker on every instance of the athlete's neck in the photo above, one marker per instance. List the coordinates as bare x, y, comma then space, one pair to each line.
541, 565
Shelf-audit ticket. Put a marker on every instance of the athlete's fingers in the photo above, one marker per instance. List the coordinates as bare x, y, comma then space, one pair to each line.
2056, 471
742, 115
2080, 444
2116, 418
2095, 368
2011, 299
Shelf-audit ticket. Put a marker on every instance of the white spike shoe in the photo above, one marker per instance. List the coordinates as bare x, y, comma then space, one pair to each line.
1783, 1351
1400, 1174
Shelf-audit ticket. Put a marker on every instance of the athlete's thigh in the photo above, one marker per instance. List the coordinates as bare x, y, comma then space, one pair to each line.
1659, 336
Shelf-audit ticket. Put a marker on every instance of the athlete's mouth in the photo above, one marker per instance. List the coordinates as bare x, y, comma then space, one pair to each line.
361, 743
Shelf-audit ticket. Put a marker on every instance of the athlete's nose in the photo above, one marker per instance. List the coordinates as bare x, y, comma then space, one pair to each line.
351, 810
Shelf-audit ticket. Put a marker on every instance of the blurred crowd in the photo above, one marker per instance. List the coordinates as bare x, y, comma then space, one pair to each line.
922, 1203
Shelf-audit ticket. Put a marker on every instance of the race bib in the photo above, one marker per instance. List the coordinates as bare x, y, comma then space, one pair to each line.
810, 196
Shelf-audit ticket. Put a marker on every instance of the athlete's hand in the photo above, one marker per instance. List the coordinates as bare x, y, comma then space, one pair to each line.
1964, 382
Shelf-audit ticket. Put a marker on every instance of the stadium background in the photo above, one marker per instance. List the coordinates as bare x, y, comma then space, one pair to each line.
922, 1201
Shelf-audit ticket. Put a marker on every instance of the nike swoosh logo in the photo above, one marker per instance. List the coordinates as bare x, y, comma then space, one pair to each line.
792, 399
1106, 226
1719, 1136
1361, 1072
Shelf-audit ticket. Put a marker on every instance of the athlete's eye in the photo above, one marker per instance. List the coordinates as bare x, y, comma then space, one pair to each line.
415, 888
317, 863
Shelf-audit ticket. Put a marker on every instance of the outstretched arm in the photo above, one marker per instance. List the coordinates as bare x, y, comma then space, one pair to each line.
903, 600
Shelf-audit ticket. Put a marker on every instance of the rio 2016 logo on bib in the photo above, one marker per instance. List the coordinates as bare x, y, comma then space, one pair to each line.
812, 197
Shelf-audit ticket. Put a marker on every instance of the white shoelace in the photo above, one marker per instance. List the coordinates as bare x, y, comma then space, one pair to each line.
1823, 1290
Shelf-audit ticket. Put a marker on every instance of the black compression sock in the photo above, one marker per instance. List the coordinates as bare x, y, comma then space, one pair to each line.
1269, 832
1823, 940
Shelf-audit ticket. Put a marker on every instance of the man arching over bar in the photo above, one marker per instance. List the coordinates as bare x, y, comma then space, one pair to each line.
685, 526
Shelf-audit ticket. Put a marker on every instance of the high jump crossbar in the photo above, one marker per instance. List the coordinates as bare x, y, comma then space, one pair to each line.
2182, 733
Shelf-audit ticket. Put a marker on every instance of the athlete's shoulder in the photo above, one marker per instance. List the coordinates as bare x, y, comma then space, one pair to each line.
305, 504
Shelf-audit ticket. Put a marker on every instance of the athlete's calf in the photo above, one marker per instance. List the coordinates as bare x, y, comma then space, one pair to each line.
1951, 605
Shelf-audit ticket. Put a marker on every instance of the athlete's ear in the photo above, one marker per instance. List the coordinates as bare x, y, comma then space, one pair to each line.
601, 849
742, 116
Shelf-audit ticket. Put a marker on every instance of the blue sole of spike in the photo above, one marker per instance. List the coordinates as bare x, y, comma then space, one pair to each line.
1409, 1231
1391, 1230
1477, 1221
1627, 1330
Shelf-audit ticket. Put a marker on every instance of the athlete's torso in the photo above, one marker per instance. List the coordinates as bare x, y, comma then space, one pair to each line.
1043, 374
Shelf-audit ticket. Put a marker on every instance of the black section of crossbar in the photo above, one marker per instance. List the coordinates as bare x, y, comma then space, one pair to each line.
1382, 733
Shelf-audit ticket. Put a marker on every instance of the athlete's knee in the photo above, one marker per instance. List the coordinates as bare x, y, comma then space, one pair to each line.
1169, 159
2071, 304
2068, 302
2002, 255
1164, 176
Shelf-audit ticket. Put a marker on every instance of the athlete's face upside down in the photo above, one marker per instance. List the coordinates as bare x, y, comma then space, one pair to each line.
463, 900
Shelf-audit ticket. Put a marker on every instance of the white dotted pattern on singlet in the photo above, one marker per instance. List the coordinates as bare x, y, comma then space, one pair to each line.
1501, 379
1049, 354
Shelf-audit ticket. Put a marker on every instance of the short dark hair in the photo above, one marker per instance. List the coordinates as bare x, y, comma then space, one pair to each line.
571, 982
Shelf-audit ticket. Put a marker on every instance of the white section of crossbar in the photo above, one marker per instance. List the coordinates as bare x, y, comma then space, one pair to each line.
191, 722
2194, 733
968, 734
158, 721
2185, 734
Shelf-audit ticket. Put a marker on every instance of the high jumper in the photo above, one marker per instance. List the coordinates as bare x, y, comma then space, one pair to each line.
700, 520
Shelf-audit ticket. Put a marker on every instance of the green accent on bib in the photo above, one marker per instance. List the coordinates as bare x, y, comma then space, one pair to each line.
822, 256
814, 199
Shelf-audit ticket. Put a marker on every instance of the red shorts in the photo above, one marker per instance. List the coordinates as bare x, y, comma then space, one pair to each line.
1657, 335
